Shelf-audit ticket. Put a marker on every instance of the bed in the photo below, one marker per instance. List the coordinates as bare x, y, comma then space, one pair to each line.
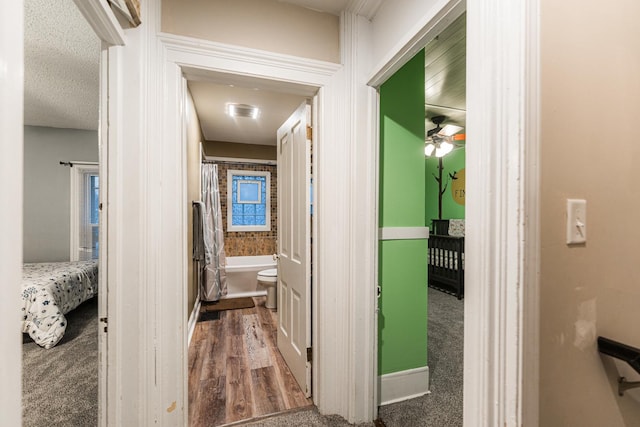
446, 256
51, 290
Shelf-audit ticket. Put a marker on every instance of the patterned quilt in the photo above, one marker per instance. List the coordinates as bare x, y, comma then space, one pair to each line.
49, 291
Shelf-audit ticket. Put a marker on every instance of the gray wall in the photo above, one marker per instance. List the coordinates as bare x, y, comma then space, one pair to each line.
46, 188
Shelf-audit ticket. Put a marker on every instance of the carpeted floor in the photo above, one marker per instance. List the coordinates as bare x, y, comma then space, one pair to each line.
60, 385
443, 406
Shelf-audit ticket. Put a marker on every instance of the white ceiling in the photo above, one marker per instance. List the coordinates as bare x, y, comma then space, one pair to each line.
211, 99
61, 73
445, 75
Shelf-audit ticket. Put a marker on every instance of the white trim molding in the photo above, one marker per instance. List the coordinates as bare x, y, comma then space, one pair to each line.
502, 242
134, 382
11, 210
404, 385
78, 192
358, 180
267, 202
432, 24
103, 21
342, 388
403, 233
193, 319
220, 57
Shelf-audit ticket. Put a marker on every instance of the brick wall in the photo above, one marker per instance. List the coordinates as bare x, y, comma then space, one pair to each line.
247, 243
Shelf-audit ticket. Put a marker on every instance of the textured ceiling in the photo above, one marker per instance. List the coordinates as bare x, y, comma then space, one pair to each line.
61, 58
62, 77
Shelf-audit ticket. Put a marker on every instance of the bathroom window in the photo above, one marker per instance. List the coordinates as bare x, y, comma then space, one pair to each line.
248, 201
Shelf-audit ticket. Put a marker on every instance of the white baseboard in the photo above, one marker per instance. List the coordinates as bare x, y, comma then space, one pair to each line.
404, 385
193, 318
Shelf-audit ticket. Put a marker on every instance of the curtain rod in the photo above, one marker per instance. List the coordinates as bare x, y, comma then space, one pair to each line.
73, 162
239, 161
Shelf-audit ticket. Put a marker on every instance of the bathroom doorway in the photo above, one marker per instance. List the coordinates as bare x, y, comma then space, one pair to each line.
235, 370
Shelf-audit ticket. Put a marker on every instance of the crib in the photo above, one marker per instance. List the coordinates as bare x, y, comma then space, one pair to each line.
446, 259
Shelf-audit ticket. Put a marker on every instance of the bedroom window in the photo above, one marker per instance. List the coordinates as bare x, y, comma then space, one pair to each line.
85, 208
248, 201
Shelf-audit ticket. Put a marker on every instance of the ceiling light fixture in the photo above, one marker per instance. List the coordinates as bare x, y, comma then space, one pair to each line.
438, 149
243, 110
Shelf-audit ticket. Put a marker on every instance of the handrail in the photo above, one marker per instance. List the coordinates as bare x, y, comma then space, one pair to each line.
623, 352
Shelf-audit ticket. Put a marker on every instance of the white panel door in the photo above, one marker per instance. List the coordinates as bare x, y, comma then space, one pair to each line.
294, 245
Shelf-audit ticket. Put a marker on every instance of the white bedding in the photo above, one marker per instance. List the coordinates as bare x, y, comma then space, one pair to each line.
51, 290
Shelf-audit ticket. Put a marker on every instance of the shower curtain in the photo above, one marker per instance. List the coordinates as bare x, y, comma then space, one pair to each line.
214, 277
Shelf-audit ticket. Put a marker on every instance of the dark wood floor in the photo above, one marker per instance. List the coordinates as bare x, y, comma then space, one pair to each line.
236, 371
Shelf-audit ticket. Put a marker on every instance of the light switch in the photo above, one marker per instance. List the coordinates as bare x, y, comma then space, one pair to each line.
576, 221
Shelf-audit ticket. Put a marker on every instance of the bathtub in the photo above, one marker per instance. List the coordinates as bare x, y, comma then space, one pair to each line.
242, 275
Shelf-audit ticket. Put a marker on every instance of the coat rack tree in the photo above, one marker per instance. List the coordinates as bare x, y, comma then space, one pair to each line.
441, 189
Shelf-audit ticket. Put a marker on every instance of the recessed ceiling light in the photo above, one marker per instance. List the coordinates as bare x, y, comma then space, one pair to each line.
243, 110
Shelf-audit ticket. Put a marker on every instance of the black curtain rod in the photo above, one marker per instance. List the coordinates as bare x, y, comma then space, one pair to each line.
70, 164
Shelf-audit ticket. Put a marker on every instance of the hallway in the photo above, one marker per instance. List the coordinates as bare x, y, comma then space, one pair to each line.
441, 407
236, 371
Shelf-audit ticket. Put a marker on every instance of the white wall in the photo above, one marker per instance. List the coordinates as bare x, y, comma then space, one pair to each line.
260, 24
393, 20
46, 188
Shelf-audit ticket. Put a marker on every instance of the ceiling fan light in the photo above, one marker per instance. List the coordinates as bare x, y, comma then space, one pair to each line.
429, 149
444, 149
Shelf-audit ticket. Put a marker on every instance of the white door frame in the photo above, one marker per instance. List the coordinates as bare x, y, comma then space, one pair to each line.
503, 42
77, 197
501, 304
105, 24
11, 185
107, 28
183, 54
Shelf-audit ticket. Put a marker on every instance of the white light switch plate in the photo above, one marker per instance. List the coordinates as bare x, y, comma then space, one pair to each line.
576, 221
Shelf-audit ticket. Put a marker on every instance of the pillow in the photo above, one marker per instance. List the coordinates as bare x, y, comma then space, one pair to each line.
456, 227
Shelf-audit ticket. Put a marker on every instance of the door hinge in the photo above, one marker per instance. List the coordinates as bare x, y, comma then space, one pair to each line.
309, 354
104, 319
309, 132
100, 207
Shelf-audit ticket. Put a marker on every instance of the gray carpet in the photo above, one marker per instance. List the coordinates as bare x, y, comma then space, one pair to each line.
60, 385
443, 406
302, 417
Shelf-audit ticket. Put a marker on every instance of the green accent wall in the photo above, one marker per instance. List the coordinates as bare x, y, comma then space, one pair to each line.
402, 325
452, 162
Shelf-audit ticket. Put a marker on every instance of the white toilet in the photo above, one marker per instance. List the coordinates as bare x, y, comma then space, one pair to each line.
269, 279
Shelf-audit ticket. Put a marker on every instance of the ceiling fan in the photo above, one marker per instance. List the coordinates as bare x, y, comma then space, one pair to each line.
440, 141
